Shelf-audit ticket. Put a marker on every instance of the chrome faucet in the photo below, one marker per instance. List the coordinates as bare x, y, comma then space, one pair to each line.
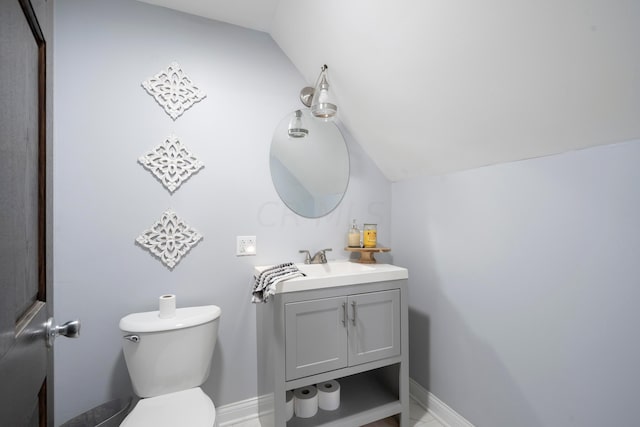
319, 258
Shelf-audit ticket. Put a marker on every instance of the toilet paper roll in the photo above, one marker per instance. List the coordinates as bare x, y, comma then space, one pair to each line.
329, 395
289, 408
305, 401
167, 306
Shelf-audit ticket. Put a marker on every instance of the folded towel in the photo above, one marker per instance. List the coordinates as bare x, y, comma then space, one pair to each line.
264, 285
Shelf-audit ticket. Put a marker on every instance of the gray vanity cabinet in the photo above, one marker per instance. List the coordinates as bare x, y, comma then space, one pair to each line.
355, 334
331, 333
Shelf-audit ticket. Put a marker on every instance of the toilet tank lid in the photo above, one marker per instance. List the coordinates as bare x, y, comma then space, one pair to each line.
185, 317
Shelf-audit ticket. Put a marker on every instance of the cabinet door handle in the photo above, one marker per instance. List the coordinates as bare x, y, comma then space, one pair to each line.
344, 314
353, 305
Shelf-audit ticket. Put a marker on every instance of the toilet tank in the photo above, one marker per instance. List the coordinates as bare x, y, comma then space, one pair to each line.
169, 355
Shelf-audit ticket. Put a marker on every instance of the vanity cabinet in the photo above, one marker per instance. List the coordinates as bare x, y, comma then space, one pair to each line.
355, 334
331, 333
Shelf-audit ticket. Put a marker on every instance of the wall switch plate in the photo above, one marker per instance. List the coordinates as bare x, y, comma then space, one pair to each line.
245, 245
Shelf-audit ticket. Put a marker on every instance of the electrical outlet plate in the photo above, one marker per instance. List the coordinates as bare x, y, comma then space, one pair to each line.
245, 245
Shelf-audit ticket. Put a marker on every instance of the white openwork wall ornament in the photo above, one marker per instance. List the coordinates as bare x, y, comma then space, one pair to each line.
171, 162
173, 90
169, 239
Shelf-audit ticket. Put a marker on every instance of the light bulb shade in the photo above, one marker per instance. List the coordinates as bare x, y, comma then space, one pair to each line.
323, 104
296, 128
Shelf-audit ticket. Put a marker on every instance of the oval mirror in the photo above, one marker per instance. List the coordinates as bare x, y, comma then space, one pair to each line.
309, 164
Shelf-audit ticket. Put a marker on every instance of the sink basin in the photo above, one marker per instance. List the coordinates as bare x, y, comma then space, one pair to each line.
333, 268
337, 273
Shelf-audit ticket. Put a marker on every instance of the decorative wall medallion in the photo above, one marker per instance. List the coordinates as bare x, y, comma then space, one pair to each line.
173, 90
169, 239
171, 162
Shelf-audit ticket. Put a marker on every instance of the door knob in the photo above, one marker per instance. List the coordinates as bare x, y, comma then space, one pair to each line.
70, 329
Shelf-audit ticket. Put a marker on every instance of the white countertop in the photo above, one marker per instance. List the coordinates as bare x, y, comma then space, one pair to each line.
337, 273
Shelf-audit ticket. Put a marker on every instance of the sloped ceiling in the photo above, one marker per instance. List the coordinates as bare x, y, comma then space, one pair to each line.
431, 87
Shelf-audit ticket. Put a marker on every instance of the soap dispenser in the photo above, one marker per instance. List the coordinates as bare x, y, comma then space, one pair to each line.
354, 236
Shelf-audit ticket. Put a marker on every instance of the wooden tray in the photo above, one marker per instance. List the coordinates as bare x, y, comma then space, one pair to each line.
366, 254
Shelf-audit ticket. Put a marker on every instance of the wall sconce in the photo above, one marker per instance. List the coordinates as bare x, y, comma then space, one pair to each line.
319, 98
296, 129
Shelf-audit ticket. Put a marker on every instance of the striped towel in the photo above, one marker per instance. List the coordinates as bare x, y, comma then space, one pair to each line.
264, 285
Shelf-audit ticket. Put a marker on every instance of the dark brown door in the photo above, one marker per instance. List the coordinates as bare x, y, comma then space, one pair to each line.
25, 141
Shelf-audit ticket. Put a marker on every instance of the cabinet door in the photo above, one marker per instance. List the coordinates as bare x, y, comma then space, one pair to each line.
374, 326
315, 336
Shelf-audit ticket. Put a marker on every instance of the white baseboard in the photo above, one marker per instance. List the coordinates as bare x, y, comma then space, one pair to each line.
248, 409
243, 410
436, 407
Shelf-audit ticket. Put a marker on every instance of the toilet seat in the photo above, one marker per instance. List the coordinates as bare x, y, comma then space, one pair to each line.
190, 407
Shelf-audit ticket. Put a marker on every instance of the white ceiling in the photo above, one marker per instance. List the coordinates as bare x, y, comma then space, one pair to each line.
254, 14
430, 87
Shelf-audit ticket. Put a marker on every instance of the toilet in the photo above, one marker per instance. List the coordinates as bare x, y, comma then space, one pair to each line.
168, 360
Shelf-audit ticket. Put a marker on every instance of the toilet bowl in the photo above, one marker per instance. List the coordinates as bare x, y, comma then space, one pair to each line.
183, 408
168, 360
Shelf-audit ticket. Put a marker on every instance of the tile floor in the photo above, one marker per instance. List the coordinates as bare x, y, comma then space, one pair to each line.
418, 415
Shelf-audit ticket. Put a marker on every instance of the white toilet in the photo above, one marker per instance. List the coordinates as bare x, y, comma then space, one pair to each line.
168, 360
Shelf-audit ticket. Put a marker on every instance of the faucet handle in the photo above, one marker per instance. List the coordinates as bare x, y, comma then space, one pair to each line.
323, 255
307, 259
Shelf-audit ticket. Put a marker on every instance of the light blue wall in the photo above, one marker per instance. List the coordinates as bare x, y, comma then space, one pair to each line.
104, 199
525, 285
